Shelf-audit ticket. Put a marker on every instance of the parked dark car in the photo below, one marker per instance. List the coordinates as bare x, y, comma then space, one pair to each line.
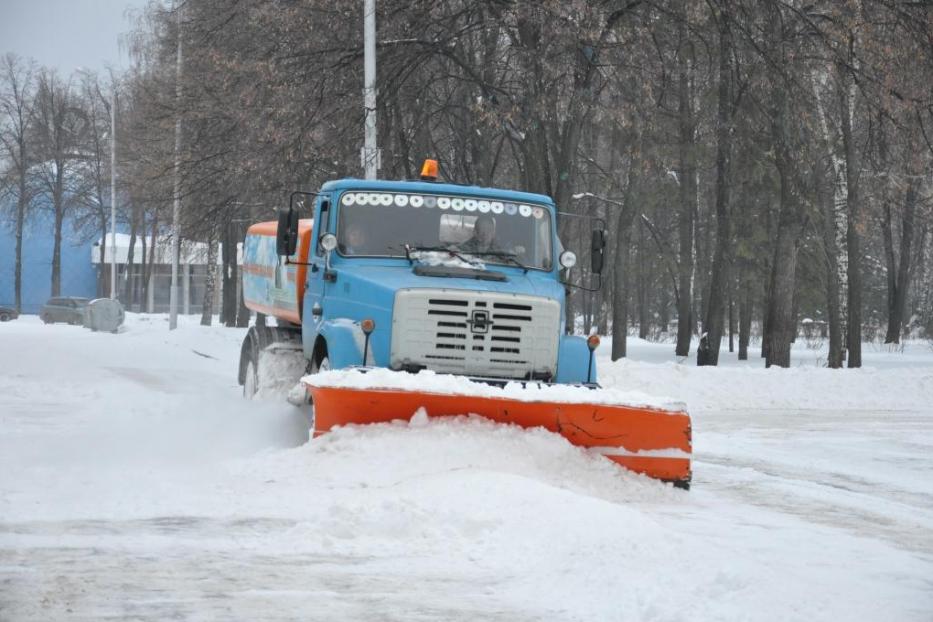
7, 314
67, 309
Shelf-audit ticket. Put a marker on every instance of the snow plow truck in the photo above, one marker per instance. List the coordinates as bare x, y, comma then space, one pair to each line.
396, 296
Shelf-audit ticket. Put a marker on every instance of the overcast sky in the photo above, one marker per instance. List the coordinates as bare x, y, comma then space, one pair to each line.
67, 34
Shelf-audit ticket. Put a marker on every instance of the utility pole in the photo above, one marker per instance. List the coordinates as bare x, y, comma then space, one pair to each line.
176, 209
113, 194
371, 157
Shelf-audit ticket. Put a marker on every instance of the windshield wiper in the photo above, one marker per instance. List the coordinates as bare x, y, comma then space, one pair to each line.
513, 257
443, 249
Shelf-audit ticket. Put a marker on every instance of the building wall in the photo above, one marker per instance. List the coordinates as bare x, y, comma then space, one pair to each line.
79, 276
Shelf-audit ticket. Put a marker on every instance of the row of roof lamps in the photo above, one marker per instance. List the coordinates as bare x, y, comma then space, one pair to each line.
457, 204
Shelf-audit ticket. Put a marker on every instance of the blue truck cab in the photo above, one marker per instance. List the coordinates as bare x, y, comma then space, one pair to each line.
457, 279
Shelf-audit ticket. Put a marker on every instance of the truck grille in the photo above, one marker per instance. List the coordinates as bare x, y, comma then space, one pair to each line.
475, 333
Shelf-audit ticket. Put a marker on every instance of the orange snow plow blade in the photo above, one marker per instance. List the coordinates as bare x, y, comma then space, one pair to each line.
646, 440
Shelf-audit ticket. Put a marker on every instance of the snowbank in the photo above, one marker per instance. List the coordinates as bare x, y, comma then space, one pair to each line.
797, 388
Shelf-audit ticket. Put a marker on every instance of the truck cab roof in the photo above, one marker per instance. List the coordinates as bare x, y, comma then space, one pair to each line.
428, 187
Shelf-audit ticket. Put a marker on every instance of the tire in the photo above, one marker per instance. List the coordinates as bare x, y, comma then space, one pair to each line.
320, 361
322, 365
5, 317
46, 319
253, 344
251, 382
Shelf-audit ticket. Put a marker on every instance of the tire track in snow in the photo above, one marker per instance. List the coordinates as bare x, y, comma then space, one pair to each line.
903, 520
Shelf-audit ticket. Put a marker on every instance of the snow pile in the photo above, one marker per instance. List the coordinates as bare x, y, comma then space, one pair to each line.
427, 381
797, 388
279, 371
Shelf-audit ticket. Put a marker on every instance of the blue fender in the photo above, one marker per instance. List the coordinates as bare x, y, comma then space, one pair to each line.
573, 360
344, 340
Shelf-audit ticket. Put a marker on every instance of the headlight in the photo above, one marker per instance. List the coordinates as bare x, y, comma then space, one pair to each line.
568, 259
328, 242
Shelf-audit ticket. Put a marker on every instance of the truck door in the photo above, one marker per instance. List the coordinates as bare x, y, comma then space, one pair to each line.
315, 287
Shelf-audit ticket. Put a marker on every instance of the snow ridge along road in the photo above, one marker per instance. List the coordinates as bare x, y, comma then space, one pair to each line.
135, 484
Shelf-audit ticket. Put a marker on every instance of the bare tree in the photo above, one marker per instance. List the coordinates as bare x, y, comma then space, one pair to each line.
17, 100
57, 131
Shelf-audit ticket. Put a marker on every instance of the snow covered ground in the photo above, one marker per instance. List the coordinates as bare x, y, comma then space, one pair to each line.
135, 484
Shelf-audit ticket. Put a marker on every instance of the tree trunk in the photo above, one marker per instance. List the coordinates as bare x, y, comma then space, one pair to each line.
781, 321
890, 264
228, 254
141, 289
905, 268
20, 223
853, 237
602, 326
923, 295
664, 304
644, 285
688, 193
130, 258
620, 290
715, 307
620, 294
58, 205
834, 226
147, 272
780, 311
745, 319
210, 279
897, 300
833, 297
731, 323
57, 254
766, 319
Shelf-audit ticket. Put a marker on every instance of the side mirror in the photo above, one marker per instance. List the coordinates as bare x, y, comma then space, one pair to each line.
286, 234
597, 248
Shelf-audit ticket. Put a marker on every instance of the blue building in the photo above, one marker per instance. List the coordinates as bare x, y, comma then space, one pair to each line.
85, 276
78, 274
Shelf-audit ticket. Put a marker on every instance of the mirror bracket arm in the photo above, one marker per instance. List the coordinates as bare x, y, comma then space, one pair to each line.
599, 285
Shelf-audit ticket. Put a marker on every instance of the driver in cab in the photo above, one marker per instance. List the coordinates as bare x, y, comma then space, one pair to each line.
354, 240
484, 237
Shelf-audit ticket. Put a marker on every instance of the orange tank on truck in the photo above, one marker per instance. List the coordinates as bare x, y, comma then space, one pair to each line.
270, 284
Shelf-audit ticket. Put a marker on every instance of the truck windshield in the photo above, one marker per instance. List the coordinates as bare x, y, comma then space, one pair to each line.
381, 224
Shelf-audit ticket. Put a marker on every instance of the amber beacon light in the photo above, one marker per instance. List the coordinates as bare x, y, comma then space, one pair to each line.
429, 170
592, 342
368, 326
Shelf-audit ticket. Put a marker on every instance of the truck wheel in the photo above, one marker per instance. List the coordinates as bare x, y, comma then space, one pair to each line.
319, 359
251, 382
253, 343
322, 365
